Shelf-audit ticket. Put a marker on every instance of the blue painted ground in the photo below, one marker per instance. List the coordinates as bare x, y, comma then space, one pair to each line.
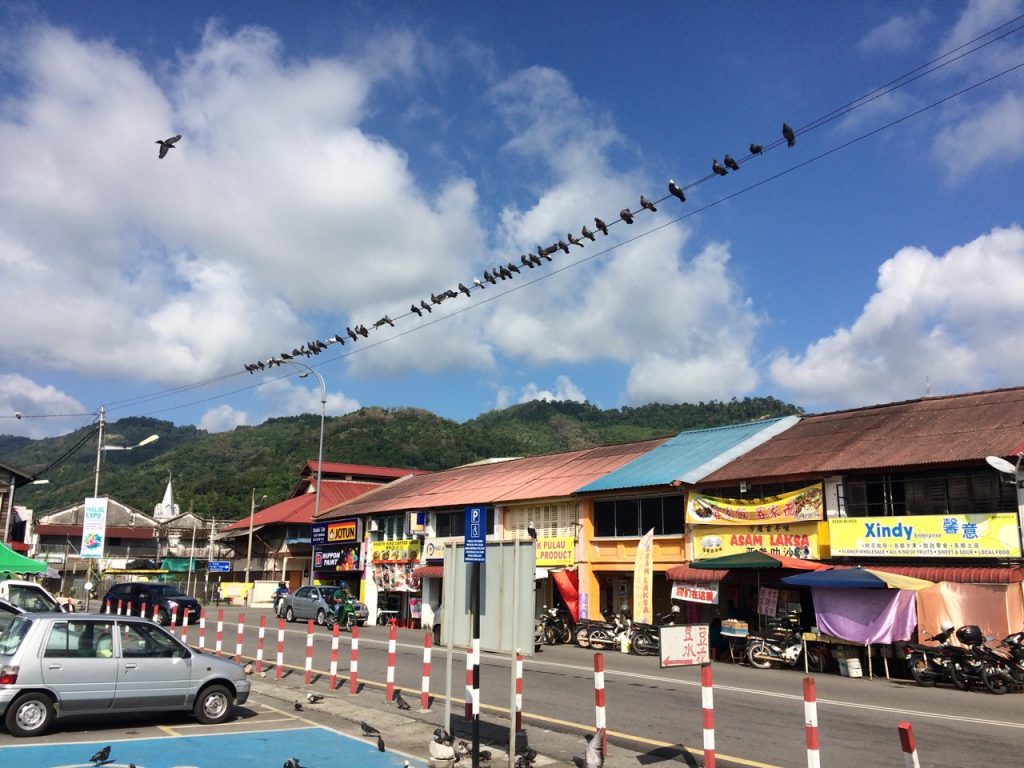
315, 748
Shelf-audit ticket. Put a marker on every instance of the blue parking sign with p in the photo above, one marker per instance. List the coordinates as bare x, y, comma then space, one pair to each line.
476, 535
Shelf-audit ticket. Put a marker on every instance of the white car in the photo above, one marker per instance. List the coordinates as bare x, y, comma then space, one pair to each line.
29, 596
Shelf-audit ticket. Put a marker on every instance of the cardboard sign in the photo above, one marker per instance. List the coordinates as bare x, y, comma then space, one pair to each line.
685, 645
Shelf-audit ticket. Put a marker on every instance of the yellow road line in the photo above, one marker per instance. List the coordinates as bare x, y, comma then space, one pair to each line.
168, 730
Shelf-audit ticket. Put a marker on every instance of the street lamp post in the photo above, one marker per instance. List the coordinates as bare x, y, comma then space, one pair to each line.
252, 516
320, 455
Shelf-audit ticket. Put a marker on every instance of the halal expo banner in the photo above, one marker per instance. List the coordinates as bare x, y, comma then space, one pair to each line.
803, 505
926, 536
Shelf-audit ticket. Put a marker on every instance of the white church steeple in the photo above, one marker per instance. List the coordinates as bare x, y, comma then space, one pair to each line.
166, 509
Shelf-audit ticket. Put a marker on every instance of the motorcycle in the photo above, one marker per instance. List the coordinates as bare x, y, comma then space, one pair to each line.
342, 615
967, 664
1006, 667
556, 626
644, 640
279, 594
783, 647
928, 664
604, 635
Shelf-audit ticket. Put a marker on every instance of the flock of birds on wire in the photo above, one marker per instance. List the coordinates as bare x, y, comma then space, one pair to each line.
501, 272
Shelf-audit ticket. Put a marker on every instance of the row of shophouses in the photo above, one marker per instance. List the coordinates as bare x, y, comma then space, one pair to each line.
905, 487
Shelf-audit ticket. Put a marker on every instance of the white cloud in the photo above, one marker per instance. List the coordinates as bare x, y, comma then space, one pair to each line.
19, 394
898, 33
953, 323
223, 418
564, 389
286, 397
992, 133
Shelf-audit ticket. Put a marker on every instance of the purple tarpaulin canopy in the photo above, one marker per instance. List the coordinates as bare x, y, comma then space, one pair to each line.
866, 615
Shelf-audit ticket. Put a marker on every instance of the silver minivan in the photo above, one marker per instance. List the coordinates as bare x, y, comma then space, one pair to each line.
57, 664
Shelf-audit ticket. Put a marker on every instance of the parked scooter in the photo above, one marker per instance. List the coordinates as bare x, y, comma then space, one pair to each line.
928, 664
785, 647
1005, 669
556, 625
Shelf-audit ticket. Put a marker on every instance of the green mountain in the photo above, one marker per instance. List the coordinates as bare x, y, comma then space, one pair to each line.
214, 474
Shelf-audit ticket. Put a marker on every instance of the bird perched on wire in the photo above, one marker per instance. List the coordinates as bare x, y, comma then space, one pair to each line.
573, 240
531, 530
338, 340
166, 145
490, 278
314, 698
368, 730
647, 204
464, 289
513, 268
362, 331
756, 149
435, 299
601, 226
563, 246
298, 706
384, 321
595, 750
425, 306
675, 189
587, 233
103, 754
788, 135
351, 334
292, 762
400, 700
535, 260
717, 168
626, 215
478, 283
417, 310
730, 163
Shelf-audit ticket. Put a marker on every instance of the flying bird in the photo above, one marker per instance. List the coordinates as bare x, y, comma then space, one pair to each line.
675, 189
368, 730
563, 246
464, 289
730, 163
380, 743
531, 530
626, 215
426, 306
587, 233
788, 134
595, 750
573, 240
601, 226
314, 698
645, 203
417, 310
400, 700
298, 707
104, 753
756, 149
717, 168
166, 145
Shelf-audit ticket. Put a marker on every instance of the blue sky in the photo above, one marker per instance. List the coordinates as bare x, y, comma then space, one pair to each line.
340, 161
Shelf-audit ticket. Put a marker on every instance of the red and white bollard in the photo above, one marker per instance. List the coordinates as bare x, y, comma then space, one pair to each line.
389, 691
309, 652
469, 684
599, 715
120, 607
220, 630
708, 704
476, 677
333, 682
519, 692
202, 629
174, 618
280, 648
184, 627
259, 643
910, 758
240, 638
428, 643
156, 614
142, 611
353, 664
811, 723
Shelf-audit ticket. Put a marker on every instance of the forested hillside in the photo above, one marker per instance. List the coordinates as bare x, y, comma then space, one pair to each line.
214, 474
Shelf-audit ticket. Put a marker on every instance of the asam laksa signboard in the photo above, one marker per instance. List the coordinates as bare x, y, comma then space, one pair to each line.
926, 536
793, 507
788, 540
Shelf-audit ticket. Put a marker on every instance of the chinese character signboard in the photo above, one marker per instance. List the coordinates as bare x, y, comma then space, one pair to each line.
768, 601
684, 646
789, 540
556, 551
696, 593
796, 506
926, 536
94, 527
643, 575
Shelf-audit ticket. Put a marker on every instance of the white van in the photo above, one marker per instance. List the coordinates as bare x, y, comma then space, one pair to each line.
28, 596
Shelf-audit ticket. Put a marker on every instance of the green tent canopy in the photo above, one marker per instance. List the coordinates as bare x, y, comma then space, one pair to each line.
12, 562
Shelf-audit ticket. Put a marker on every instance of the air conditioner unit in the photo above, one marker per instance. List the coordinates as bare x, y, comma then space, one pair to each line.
373, 526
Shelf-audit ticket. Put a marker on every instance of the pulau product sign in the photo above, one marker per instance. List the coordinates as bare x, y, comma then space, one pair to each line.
555, 551
793, 507
960, 536
788, 540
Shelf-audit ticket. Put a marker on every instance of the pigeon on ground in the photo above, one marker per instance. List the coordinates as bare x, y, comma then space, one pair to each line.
440, 750
380, 743
426, 306
298, 707
789, 135
730, 163
104, 753
601, 226
756, 149
647, 204
369, 730
485, 754
587, 233
416, 309
292, 762
441, 736
595, 750
717, 168
462, 749
676, 190
464, 289
249, 668
400, 700
314, 698
167, 145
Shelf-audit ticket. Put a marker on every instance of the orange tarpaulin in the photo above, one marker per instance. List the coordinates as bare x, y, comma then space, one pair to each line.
997, 608
568, 583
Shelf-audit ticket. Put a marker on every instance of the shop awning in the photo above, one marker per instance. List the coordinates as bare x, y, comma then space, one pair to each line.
758, 560
961, 574
693, 575
429, 572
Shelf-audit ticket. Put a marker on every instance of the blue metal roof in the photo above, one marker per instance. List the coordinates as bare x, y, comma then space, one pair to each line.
690, 456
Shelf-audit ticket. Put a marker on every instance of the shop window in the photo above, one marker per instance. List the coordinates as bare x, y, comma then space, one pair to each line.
965, 493
604, 518
453, 523
635, 516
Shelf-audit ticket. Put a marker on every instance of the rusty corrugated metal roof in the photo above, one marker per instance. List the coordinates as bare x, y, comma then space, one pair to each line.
536, 477
300, 509
927, 431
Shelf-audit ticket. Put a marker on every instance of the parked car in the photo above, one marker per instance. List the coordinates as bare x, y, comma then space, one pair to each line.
29, 596
8, 611
54, 665
316, 603
166, 598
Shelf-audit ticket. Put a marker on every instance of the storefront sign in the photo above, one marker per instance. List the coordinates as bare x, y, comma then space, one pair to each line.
643, 575
337, 558
395, 577
685, 646
926, 536
399, 551
796, 506
789, 540
342, 531
433, 549
696, 593
768, 601
556, 551
94, 528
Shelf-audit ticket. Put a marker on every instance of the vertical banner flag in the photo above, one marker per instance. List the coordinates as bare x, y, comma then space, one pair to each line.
94, 527
643, 575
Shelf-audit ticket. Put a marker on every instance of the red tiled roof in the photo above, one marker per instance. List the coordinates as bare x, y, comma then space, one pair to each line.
360, 471
429, 572
300, 509
537, 477
928, 431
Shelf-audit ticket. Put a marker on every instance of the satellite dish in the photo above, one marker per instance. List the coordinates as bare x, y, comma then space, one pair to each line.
1001, 465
